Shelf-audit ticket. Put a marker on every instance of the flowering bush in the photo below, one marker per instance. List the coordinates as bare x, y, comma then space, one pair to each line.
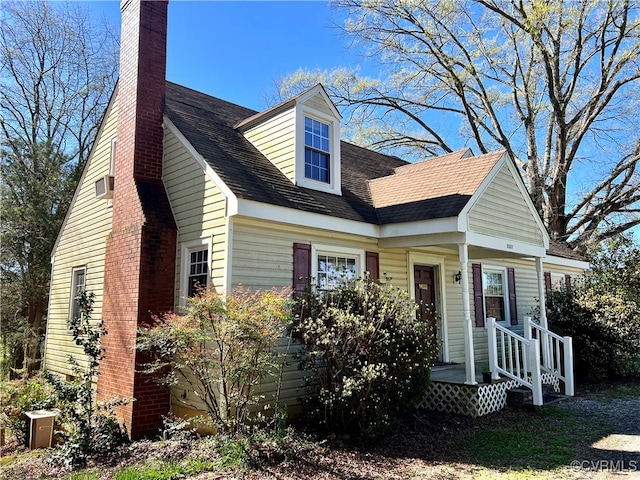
368, 355
220, 350
605, 328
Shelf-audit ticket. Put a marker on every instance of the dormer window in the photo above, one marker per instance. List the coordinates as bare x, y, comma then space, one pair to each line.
316, 150
301, 137
317, 147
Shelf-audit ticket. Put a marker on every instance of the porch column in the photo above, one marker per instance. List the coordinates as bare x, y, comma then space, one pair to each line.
541, 292
467, 327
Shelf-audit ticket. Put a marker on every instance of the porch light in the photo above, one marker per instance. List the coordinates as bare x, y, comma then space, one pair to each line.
458, 277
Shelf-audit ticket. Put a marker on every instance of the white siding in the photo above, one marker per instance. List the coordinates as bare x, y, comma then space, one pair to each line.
393, 265
81, 243
318, 103
275, 139
262, 259
453, 293
502, 212
263, 252
526, 301
199, 209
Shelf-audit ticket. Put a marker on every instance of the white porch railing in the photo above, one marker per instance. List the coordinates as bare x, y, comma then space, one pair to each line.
515, 357
557, 353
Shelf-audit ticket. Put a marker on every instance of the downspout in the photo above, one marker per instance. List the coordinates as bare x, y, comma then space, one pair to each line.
469, 354
228, 268
230, 211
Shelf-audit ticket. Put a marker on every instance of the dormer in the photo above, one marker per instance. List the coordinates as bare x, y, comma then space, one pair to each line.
301, 137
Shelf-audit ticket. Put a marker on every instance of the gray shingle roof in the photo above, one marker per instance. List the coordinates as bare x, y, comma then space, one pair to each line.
559, 248
210, 125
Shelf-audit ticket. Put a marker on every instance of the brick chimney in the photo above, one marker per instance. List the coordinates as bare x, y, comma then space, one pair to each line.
141, 247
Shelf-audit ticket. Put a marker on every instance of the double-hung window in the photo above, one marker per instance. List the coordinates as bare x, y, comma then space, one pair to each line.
78, 286
333, 268
558, 282
335, 271
316, 150
198, 270
196, 265
494, 281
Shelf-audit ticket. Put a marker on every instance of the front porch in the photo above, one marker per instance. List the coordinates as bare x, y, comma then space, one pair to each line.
482, 271
450, 393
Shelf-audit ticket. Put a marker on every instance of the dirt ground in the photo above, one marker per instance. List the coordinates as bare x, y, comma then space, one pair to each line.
424, 445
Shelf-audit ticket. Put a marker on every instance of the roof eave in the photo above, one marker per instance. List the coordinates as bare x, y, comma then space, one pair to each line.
260, 117
103, 122
288, 104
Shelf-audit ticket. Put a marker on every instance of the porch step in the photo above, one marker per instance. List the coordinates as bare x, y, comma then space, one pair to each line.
522, 397
517, 397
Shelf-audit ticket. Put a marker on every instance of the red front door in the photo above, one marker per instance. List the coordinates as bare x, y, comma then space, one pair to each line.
426, 298
425, 291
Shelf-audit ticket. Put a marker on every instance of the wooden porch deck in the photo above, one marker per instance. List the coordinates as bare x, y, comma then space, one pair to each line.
454, 373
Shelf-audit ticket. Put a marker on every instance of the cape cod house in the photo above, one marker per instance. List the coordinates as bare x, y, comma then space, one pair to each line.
183, 187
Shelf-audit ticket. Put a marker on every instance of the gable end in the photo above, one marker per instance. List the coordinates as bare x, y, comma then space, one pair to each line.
301, 137
503, 209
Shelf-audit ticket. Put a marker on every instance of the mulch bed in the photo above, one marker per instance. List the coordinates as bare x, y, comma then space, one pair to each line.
422, 445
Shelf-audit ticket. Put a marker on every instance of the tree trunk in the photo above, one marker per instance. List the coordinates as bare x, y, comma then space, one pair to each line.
557, 203
33, 336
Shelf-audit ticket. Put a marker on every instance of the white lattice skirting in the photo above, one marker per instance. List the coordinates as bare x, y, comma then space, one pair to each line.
474, 400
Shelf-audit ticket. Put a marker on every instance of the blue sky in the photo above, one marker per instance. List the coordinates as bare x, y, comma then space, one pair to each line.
236, 50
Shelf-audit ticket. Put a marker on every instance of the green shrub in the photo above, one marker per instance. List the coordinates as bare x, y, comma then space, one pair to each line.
368, 356
602, 312
20, 396
89, 428
604, 325
221, 349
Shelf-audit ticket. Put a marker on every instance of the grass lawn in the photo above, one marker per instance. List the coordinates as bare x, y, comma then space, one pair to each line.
512, 444
544, 441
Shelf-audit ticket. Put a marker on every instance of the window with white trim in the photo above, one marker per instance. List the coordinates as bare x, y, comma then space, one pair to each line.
333, 268
317, 150
196, 265
198, 271
317, 163
495, 292
78, 285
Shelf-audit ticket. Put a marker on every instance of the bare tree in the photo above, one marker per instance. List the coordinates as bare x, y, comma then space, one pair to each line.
554, 83
58, 69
